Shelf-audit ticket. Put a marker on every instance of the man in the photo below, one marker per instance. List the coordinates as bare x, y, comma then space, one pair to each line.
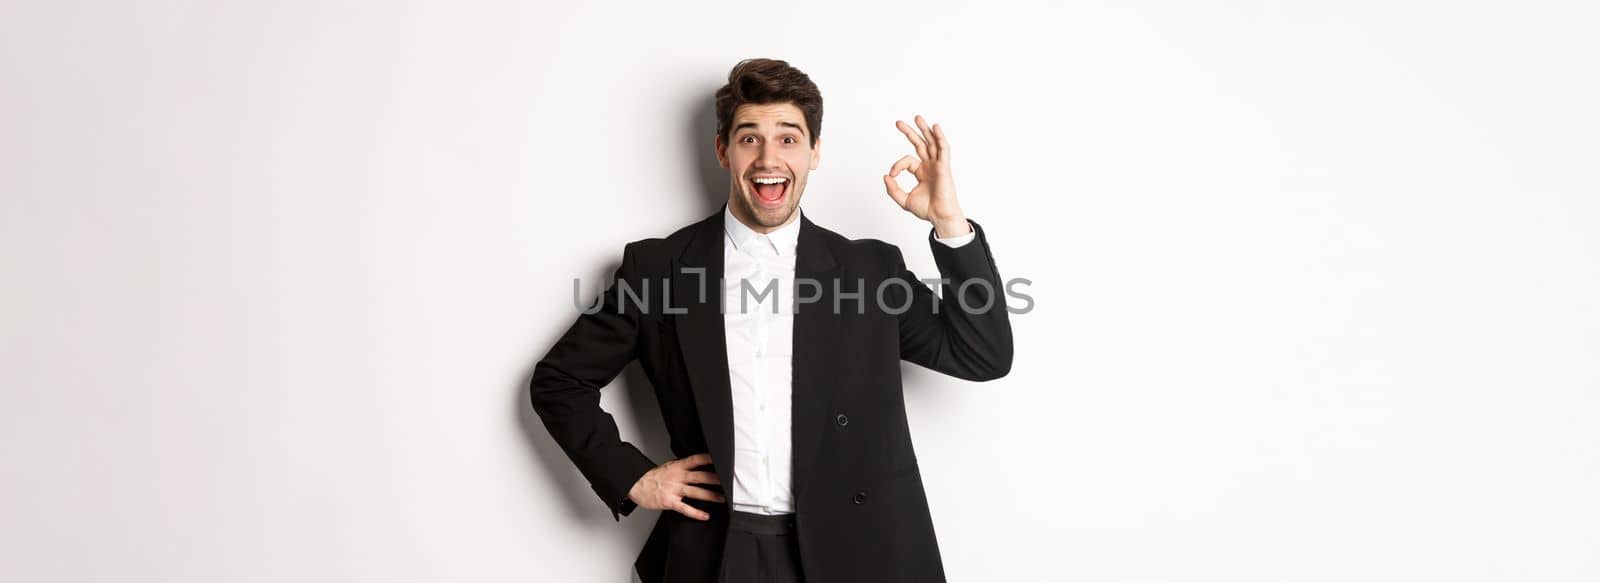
773, 345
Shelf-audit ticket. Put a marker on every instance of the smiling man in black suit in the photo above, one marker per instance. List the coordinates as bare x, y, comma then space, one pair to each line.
774, 347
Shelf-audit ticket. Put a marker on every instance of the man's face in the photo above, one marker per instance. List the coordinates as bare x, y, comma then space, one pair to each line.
767, 141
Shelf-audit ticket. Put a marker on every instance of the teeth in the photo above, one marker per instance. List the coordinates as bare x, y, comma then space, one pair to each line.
771, 180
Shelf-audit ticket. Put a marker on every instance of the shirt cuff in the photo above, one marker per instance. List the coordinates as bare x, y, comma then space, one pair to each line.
957, 240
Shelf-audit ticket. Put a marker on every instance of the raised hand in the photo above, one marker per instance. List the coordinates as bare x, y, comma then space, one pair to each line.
665, 486
933, 199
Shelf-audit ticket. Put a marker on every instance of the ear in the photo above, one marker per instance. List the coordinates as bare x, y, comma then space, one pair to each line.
722, 151
816, 154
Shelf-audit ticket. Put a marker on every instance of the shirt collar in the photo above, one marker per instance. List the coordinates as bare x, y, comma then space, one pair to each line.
783, 239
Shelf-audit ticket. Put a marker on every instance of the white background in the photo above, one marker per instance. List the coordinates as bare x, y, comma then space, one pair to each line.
1314, 284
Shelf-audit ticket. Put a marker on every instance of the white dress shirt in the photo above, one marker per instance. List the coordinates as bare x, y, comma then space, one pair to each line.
759, 327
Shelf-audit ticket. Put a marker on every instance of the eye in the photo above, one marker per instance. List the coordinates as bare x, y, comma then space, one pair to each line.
747, 139
789, 139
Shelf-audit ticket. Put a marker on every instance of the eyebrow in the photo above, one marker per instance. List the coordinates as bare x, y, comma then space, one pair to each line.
751, 124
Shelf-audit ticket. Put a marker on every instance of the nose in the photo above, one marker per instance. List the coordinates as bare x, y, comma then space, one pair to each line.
769, 156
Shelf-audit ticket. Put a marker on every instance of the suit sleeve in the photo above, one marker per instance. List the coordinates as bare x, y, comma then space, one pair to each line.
566, 383
964, 331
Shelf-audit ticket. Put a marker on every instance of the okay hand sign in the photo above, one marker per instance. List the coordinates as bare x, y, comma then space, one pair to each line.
933, 199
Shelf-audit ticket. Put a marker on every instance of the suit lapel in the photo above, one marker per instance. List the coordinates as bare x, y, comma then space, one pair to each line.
816, 338
697, 286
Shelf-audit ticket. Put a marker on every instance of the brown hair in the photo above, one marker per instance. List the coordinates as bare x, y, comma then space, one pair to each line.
766, 81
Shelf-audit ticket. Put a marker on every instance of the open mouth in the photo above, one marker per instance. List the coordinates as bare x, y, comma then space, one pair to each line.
770, 190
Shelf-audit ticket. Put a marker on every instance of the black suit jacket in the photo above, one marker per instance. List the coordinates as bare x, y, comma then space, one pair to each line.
861, 513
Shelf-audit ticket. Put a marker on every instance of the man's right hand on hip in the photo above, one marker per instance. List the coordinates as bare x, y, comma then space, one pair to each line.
666, 486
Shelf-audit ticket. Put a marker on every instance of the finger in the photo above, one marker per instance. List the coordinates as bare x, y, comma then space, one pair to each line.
942, 141
927, 135
916, 140
905, 163
701, 494
702, 478
685, 509
697, 460
895, 192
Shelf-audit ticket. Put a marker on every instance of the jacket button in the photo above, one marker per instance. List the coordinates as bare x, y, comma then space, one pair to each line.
861, 498
842, 420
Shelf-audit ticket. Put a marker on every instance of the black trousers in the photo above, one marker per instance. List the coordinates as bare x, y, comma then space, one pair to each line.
761, 549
